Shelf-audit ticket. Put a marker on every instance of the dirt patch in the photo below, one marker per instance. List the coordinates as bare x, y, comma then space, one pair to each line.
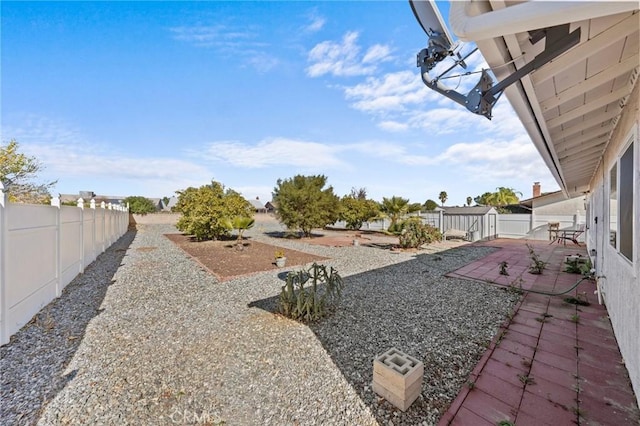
225, 262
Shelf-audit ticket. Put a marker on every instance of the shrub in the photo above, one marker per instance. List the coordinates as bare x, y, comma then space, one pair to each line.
414, 234
206, 211
140, 205
321, 294
304, 203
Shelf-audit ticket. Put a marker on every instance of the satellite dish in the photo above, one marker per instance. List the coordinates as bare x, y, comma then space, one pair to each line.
430, 19
481, 99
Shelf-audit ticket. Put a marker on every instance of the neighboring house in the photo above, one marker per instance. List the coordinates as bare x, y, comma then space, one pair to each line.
271, 207
554, 203
257, 205
88, 195
173, 200
582, 113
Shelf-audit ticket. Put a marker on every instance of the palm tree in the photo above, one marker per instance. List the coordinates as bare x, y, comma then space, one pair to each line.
396, 207
241, 223
469, 200
505, 196
443, 197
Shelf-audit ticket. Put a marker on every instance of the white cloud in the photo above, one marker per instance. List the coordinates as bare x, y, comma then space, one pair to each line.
276, 152
262, 62
67, 156
393, 126
391, 92
316, 24
343, 58
218, 36
376, 54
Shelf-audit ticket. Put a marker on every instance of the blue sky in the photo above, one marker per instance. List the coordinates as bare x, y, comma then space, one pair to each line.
146, 98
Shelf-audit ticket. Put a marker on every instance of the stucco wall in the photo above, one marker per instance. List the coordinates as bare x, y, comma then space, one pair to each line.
557, 205
620, 278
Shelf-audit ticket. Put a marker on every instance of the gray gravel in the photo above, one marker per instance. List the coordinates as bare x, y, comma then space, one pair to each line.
146, 336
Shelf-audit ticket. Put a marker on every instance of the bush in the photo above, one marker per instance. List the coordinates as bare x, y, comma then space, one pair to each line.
139, 205
303, 203
323, 291
208, 212
414, 234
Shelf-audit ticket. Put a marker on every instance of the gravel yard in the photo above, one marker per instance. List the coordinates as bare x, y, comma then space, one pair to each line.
146, 336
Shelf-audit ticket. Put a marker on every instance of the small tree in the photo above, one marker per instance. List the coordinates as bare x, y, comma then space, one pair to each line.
502, 197
443, 197
241, 223
140, 205
395, 208
304, 203
355, 209
469, 201
16, 174
206, 211
430, 205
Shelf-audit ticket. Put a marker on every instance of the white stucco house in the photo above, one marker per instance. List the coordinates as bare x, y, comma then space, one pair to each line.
573, 71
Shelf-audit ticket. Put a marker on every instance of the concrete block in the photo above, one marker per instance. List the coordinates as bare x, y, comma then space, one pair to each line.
401, 403
397, 377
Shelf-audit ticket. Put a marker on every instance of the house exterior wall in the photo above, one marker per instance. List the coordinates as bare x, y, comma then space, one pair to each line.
558, 205
619, 278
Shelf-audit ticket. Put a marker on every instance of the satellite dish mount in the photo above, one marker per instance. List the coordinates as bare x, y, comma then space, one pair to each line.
481, 99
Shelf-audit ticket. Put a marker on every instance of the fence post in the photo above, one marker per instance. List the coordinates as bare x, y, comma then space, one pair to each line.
92, 206
81, 206
55, 202
4, 304
104, 219
441, 220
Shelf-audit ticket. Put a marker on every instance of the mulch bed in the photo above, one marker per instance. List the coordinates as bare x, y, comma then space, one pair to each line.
224, 261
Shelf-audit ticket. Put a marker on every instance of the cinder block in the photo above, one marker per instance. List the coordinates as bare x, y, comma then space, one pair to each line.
397, 377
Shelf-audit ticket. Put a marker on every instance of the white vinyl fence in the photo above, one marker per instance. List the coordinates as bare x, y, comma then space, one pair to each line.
43, 248
528, 226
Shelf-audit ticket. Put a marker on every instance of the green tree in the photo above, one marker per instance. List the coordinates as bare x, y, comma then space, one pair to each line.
17, 172
140, 205
207, 211
469, 201
502, 197
395, 208
304, 203
505, 196
484, 199
355, 208
430, 205
443, 197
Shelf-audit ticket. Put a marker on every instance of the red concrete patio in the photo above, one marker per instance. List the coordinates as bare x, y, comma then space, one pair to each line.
553, 362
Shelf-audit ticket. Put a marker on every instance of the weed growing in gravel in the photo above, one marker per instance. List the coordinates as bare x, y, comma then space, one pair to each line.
323, 291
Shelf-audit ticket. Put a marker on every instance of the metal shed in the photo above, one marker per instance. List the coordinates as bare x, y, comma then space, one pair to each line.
479, 222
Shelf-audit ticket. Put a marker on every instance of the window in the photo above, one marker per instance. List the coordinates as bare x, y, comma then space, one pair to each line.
613, 205
625, 211
621, 202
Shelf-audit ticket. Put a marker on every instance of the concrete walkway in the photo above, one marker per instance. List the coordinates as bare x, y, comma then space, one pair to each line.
553, 362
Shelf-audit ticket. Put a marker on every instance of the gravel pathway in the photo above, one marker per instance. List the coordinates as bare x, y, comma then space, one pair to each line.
146, 336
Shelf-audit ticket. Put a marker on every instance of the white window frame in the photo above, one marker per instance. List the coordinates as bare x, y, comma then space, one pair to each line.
630, 139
